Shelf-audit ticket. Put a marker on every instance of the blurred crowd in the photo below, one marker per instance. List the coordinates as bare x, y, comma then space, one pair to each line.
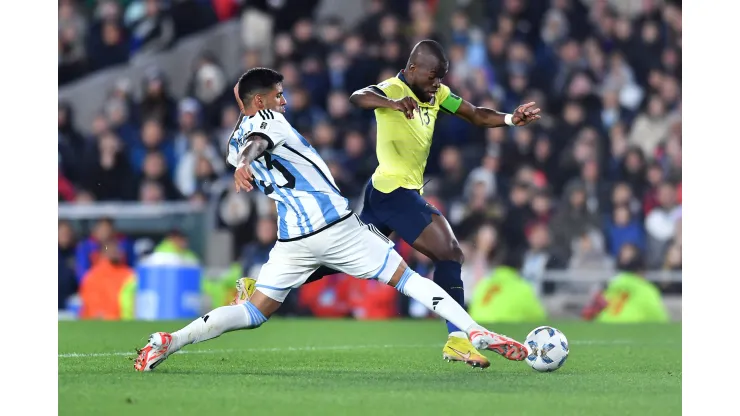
602, 169
97, 34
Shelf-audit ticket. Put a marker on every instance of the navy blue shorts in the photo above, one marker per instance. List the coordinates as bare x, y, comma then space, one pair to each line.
403, 211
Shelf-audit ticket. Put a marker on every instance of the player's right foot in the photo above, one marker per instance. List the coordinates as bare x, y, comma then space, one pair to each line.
500, 344
461, 349
245, 287
155, 351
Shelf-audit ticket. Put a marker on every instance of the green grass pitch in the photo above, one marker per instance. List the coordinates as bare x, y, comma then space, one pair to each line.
342, 367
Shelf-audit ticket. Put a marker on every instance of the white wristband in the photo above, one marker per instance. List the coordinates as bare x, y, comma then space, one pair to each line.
507, 120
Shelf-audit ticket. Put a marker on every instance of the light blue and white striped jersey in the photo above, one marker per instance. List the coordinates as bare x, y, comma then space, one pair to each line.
292, 173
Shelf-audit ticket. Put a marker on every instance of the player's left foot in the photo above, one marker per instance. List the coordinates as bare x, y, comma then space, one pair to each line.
155, 351
460, 349
500, 344
245, 287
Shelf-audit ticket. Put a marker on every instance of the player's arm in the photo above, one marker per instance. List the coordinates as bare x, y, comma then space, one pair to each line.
487, 117
372, 97
261, 133
257, 143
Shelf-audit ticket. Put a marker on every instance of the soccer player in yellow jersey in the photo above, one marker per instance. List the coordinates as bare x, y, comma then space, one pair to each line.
406, 108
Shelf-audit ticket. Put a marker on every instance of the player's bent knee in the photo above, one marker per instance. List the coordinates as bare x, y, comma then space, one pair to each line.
453, 253
400, 284
458, 254
391, 269
264, 304
400, 270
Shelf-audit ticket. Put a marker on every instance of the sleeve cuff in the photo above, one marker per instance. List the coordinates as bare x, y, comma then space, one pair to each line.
378, 90
270, 143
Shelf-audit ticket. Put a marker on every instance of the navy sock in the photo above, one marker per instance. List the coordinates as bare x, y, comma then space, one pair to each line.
447, 276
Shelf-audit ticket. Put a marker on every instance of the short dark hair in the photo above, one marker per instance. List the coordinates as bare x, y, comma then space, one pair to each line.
257, 80
427, 47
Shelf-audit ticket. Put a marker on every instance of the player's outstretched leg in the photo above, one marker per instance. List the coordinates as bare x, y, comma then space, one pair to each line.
248, 315
422, 225
433, 297
438, 242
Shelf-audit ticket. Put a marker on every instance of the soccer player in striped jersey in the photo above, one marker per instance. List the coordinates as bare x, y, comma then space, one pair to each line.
406, 108
315, 228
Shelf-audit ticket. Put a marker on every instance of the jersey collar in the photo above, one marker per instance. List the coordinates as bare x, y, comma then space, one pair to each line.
402, 77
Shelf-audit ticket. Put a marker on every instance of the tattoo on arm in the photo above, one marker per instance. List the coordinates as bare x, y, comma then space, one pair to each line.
256, 145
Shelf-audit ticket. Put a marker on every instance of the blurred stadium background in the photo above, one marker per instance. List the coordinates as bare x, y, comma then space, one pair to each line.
151, 228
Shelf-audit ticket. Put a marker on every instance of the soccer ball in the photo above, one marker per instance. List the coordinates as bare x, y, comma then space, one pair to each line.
547, 348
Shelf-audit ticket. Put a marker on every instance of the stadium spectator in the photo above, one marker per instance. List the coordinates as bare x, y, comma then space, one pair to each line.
589, 253
153, 139
357, 159
541, 208
108, 172
661, 223
151, 192
629, 297
107, 288
154, 169
191, 175
188, 120
120, 119
504, 296
572, 220
622, 195
157, 102
208, 85
623, 228
192, 16
151, 26
71, 143
109, 44
537, 258
103, 236
651, 127
67, 280
453, 174
72, 53
66, 191
486, 174
176, 243
485, 253
633, 170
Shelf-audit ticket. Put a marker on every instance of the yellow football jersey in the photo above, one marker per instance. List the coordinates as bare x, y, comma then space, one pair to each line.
402, 144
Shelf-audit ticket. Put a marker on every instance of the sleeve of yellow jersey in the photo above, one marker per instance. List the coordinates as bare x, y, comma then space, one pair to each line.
389, 90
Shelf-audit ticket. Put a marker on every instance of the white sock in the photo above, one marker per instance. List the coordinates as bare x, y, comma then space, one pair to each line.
459, 334
434, 298
217, 322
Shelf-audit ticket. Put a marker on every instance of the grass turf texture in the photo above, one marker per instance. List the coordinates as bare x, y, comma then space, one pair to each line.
342, 367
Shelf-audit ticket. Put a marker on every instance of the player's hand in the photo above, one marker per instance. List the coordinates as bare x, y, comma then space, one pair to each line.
243, 178
406, 105
525, 114
238, 99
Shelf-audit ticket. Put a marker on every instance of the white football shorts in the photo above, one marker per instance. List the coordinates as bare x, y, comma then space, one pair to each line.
349, 246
